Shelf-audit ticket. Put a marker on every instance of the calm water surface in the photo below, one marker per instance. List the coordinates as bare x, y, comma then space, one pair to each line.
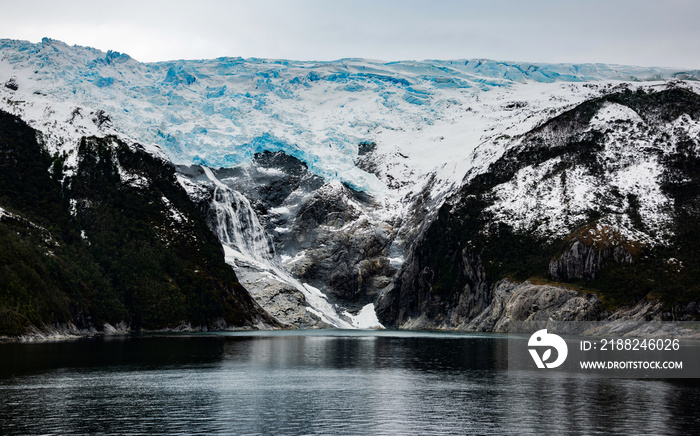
319, 382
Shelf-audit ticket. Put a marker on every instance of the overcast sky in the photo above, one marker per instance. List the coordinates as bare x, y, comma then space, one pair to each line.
635, 32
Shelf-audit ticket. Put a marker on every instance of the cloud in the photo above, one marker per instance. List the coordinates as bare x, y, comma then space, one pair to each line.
630, 32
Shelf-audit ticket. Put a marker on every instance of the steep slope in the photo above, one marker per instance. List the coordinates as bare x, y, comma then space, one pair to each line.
114, 240
601, 196
287, 234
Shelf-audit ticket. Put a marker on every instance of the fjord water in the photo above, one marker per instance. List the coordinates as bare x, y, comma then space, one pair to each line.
318, 382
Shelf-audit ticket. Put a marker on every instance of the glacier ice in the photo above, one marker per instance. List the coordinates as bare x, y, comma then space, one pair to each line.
220, 112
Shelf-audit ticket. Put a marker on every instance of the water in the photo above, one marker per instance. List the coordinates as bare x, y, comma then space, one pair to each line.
244, 240
237, 224
318, 382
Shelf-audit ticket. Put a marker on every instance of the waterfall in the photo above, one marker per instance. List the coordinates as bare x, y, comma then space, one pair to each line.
237, 224
244, 239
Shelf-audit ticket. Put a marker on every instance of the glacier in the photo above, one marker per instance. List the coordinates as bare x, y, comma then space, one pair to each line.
220, 112
406, 134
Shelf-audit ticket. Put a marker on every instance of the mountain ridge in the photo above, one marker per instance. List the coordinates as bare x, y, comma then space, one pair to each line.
349, 169
255, 106
605, 244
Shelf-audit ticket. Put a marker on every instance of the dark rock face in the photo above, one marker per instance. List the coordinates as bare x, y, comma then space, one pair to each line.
367, 159
329, 206
12, 84
101, 119
587, 253
441, 282
526, 302
322, 226
352, 264
277, 175
581, 261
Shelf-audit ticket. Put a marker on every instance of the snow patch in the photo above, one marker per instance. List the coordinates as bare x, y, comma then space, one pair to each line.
132, 179
366, 318
396, 261
273, 172
283, 210
611, 112
172, 213
550, 201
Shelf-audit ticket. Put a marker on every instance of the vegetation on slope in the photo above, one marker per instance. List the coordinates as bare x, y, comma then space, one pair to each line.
97, 247
465, 236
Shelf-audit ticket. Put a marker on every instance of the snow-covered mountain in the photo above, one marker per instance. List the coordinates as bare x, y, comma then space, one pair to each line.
220, 112
603, 197
322, 179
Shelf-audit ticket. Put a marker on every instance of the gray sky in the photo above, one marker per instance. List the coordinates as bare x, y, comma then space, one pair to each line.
635, 32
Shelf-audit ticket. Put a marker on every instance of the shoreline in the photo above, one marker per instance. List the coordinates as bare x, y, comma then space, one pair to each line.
610, 328
70, 332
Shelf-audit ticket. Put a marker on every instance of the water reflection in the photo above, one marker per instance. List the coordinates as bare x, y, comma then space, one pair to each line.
316, 384
423, 354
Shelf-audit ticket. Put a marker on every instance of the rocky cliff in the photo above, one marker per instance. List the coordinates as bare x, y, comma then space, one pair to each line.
113, 239
600, 196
